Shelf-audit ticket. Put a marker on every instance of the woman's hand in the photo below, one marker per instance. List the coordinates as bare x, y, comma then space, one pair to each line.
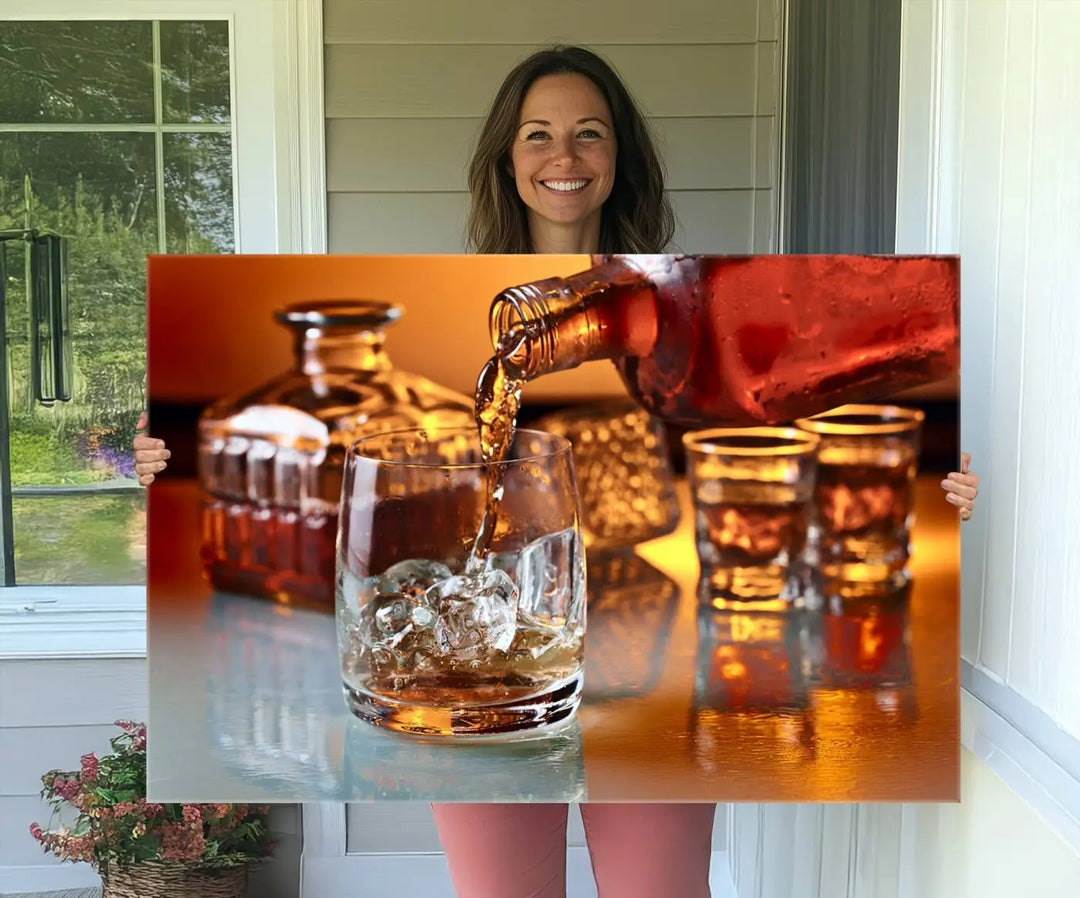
962, 488
150, 454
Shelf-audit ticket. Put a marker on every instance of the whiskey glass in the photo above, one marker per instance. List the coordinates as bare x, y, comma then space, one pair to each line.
864, 495
433, 641
751, 488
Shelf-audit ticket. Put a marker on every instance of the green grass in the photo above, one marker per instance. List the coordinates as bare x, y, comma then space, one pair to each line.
81, 539
39, 459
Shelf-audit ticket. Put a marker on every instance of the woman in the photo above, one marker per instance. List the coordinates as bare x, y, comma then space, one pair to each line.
565, 164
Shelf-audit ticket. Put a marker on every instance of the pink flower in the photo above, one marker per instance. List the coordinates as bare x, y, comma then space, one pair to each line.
36, 832
192, 813
81, 848
181, 842
66, 788
123, 808
89, 767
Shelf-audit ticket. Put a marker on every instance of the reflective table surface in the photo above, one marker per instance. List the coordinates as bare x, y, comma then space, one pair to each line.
857, 702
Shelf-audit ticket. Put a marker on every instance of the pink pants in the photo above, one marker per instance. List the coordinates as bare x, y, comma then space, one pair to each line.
519, 850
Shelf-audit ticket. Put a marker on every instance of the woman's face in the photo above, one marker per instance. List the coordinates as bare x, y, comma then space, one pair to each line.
563, 154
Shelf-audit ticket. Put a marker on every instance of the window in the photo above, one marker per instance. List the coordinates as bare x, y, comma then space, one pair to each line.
116, 135
146, 126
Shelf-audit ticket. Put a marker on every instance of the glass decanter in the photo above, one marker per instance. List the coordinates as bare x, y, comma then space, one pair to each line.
271, 460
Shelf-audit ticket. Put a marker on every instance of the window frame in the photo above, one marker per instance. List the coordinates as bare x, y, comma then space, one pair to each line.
280, 207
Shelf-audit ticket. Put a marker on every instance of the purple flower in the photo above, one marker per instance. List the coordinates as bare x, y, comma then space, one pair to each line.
122, 463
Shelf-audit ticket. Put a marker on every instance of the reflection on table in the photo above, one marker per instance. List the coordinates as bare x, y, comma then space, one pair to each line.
856, 702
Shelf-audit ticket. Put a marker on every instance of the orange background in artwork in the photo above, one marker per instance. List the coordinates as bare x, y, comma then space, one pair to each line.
212, 333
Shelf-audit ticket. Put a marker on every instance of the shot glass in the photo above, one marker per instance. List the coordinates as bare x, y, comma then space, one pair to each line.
752, 489
436, 639
864, 497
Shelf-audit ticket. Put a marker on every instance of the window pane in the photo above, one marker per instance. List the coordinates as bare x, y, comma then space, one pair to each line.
76, 72
198, 193
81, 540
195, 72
99, 191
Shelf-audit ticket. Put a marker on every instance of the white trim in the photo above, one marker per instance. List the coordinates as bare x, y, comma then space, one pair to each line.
1025, 767
73, 622
367, 875
1011, 735
304, 69
862, 851
916, 127
323, 824
919, 176
782, 177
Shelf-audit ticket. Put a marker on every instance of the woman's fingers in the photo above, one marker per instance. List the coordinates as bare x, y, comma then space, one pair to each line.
144, 442
148, 450
150, 453
962, 488
961, 501
961, 485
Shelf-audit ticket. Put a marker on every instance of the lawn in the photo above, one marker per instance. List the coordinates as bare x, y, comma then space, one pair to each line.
81, 539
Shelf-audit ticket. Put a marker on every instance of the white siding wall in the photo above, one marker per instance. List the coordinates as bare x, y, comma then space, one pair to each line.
51, 713
1009, 195
408, 82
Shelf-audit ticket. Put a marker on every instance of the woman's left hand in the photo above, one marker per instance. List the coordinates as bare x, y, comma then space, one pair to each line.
962, 488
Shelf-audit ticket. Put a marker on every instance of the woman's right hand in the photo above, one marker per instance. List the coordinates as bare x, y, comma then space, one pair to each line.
150, 454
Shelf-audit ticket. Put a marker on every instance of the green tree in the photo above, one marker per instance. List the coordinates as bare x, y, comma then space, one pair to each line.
100, 189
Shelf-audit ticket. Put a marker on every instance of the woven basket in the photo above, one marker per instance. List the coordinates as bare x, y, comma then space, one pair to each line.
165, 880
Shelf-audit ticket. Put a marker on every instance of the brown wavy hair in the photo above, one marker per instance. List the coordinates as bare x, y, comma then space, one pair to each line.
637, 217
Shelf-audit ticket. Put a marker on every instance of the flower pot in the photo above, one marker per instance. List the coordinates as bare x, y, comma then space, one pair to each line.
172, 880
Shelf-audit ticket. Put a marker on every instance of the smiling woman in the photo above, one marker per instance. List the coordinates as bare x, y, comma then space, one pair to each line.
565, 163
